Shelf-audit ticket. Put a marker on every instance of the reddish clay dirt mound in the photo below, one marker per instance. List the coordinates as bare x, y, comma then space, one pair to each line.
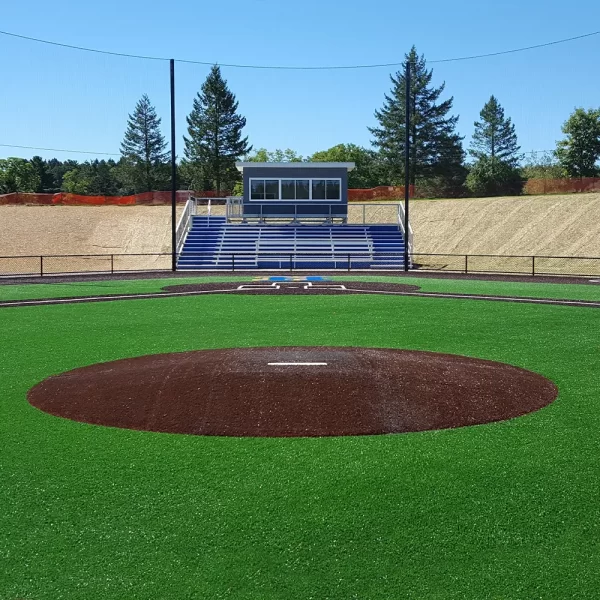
240, 392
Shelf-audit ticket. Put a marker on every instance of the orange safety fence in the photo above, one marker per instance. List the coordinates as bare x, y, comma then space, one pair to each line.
532, 187
64, 199
379, 193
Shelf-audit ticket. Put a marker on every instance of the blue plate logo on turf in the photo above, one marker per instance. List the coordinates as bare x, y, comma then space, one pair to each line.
278, 278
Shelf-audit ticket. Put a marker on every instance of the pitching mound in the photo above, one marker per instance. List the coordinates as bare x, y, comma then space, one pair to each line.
288, 391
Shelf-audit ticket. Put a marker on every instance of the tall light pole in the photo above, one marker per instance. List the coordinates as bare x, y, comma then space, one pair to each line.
173, 174
406, 164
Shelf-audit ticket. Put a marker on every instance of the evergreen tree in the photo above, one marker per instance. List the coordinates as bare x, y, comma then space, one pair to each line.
578, 154
215, 135
436, 149
495, 135
495, 147
102, 177
46, 181
57, 170
144, 165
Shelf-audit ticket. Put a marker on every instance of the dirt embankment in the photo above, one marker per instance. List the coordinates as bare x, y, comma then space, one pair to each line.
565, 225
36, 230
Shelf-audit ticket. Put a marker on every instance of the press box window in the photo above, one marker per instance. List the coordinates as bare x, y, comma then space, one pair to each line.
318, 189
264, 189
295, 189
332, 189
326, 189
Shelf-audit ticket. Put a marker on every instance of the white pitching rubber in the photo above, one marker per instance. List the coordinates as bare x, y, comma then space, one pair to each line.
297, 364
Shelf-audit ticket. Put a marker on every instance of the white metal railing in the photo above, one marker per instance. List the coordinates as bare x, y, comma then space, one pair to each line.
408, 239
185, 223
234, 208
359, 213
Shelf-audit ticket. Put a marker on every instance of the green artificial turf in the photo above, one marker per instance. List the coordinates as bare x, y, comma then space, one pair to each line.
32, 291
459, 286
508, 510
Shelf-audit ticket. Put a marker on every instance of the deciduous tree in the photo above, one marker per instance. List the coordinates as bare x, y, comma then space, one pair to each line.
368, 172
264, 155
494, 177
578, 154
18, 175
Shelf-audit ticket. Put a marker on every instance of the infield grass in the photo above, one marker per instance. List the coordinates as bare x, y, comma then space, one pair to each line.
508, 510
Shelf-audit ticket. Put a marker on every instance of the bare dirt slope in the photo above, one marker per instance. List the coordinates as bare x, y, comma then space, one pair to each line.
26, 230
565, 225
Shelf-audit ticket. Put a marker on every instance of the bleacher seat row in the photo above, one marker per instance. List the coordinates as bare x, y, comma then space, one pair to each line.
213, 244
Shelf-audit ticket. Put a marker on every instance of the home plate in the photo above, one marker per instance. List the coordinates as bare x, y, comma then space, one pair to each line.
297, 364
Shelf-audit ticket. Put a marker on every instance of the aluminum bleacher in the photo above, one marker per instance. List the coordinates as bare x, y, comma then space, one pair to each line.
214, 244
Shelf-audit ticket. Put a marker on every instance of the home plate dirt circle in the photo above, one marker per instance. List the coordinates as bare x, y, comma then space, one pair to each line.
302, 288
293, 391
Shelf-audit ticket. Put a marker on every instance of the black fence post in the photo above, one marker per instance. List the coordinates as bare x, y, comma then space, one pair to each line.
291, 263
466, 263
233, 262
533, 266
349, 263
41, 266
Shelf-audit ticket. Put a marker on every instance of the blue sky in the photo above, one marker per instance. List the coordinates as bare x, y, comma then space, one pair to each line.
60, 98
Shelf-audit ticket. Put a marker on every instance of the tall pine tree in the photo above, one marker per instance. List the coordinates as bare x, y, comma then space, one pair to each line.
436, 153
144, 164
495, 147
214, 139
495, 135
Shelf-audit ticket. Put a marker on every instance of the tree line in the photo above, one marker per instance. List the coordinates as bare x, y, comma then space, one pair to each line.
439, 165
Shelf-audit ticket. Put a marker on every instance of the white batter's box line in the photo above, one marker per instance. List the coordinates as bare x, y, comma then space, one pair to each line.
326, 287
273, 286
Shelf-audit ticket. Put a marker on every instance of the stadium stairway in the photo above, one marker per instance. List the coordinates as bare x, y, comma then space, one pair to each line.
214, 244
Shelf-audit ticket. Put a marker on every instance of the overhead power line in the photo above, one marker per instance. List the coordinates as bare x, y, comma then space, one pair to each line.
59, 150
529, 152
299, 68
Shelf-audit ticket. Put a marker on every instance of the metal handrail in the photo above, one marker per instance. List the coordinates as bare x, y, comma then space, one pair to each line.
409, 237
185, 223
